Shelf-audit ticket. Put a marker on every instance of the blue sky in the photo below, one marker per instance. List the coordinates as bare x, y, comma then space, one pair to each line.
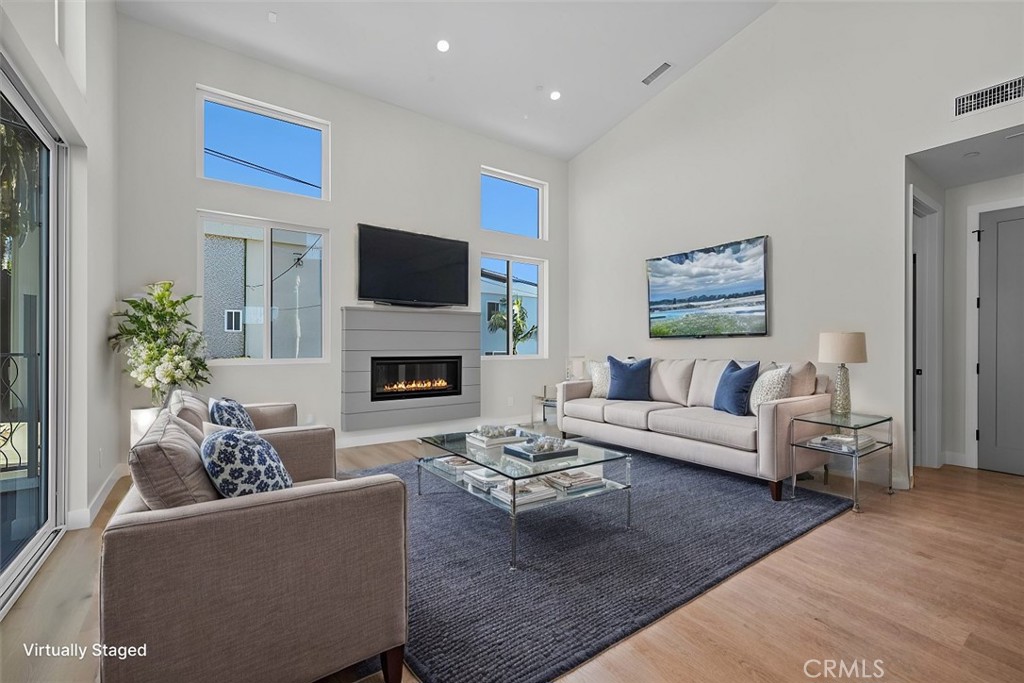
286, 148
508, 207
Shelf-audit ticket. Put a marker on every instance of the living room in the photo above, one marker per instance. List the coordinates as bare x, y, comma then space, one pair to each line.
805, 122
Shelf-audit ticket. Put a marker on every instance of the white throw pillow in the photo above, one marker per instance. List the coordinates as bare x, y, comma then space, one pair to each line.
770, 386
601, 376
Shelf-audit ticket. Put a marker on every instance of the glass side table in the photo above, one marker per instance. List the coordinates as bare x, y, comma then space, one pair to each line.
844, 437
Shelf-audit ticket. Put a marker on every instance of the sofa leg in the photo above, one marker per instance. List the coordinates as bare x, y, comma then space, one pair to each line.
776, 489
391, 664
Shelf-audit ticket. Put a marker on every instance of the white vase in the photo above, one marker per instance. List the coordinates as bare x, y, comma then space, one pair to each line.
142, 420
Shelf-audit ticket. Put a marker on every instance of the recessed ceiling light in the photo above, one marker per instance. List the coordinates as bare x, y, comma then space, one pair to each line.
272, 17
443, 46
971, 155
555, 95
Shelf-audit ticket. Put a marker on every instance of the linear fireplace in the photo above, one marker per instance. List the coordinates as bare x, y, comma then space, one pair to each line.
415, 377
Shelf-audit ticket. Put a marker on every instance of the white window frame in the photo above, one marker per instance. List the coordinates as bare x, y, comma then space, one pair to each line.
230, 316
542, 200
267, 226
542, 308
207, 94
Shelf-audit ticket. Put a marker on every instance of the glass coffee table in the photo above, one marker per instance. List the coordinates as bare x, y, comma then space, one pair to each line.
512, 484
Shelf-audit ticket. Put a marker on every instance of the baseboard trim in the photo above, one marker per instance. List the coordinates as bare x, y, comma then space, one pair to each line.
82, 517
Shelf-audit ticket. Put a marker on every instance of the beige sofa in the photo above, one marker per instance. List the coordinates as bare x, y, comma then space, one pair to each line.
289, 585
680, 423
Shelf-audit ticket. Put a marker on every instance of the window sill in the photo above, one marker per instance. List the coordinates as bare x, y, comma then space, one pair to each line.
227, 362
516, 357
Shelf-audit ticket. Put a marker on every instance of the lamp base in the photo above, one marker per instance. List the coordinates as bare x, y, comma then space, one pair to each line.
841, 391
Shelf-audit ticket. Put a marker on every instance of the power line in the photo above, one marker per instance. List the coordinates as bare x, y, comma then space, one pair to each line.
256, 167
298, 260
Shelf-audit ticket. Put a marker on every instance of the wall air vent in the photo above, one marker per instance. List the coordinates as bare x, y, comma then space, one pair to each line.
651, 77
993, 96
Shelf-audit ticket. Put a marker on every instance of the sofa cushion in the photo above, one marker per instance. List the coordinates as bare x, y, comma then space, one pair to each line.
166, 465
189, 406
804, 377
587, 408
733, 394
228, 412
634, 414
600, 378
708, 425
630, 381
670, 380
704, 384
241, 463
772, 385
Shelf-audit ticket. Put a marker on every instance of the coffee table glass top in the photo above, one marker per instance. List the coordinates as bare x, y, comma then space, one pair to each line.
495, 459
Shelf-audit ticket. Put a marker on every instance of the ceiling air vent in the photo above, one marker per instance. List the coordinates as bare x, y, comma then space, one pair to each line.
651, 77
993, 96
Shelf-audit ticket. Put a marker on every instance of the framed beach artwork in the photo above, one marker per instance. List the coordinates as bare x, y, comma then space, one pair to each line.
718, 291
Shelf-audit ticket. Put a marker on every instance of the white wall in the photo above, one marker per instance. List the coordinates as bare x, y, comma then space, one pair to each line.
87, 120
391, 167
796, 128
962, 205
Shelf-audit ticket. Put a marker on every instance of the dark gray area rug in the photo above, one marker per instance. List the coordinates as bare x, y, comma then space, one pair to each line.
584, 582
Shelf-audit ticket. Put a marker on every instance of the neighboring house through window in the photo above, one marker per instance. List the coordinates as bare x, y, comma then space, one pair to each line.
282, 320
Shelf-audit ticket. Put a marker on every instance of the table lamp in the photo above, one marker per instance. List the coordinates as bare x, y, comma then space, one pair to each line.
842, 348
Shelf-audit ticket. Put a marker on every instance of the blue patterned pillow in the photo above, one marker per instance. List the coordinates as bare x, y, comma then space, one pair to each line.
229, 413
240, 463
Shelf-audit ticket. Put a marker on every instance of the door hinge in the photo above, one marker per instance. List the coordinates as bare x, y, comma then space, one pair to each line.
977, 368
977, 233
977, 435
977, 302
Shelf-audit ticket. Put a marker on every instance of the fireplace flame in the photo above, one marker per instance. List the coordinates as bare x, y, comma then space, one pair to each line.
416, 385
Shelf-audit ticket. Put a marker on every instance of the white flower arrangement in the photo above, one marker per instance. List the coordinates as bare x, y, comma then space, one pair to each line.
162, 347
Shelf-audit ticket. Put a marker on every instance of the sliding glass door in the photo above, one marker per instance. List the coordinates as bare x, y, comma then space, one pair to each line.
28, 155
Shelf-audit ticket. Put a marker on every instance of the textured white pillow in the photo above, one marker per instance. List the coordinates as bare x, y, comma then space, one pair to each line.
770, 386
601, 376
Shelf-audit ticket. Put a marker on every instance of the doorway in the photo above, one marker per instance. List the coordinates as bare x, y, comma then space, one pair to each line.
1000, 340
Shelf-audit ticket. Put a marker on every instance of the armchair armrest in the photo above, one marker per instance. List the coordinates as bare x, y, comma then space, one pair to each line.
569, 390
773, 419
320, 568
271, 415
308, 452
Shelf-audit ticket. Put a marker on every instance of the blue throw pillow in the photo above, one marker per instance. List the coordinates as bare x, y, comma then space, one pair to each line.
630, 381
733, 394
241, 463
229, 413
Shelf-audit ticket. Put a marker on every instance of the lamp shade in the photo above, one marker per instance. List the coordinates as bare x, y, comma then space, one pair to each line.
842, 347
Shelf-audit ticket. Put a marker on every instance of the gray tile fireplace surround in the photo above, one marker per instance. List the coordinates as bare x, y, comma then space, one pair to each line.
368, 333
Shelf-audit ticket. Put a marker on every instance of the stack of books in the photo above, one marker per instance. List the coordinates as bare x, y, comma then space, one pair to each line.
504, 435
844, 443
482, 478
454, 464
577, 480
527, 492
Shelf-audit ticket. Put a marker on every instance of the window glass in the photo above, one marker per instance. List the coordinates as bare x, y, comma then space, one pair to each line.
509, 293
296, 327
250, 148
511, 207
494, 306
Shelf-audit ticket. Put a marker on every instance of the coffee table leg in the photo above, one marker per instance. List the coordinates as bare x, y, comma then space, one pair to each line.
515, 531
419, 478
629, 492
856, 483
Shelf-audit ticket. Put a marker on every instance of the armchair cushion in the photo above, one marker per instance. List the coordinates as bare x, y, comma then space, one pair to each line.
228, 412
167, 467
241, 463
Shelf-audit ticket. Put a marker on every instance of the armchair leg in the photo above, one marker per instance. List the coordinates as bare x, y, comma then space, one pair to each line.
391, 664
776, 489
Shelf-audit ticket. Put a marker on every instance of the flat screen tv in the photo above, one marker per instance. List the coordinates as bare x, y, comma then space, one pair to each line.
718, 291
409, 269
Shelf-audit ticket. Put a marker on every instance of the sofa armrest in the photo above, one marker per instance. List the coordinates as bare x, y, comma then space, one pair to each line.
308, 452
773, 419
569, 390
320, 568
272, 415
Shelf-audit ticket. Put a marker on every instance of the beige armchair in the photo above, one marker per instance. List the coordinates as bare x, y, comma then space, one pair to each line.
290, 585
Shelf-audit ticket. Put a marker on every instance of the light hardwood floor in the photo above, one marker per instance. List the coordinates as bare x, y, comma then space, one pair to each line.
929, 581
